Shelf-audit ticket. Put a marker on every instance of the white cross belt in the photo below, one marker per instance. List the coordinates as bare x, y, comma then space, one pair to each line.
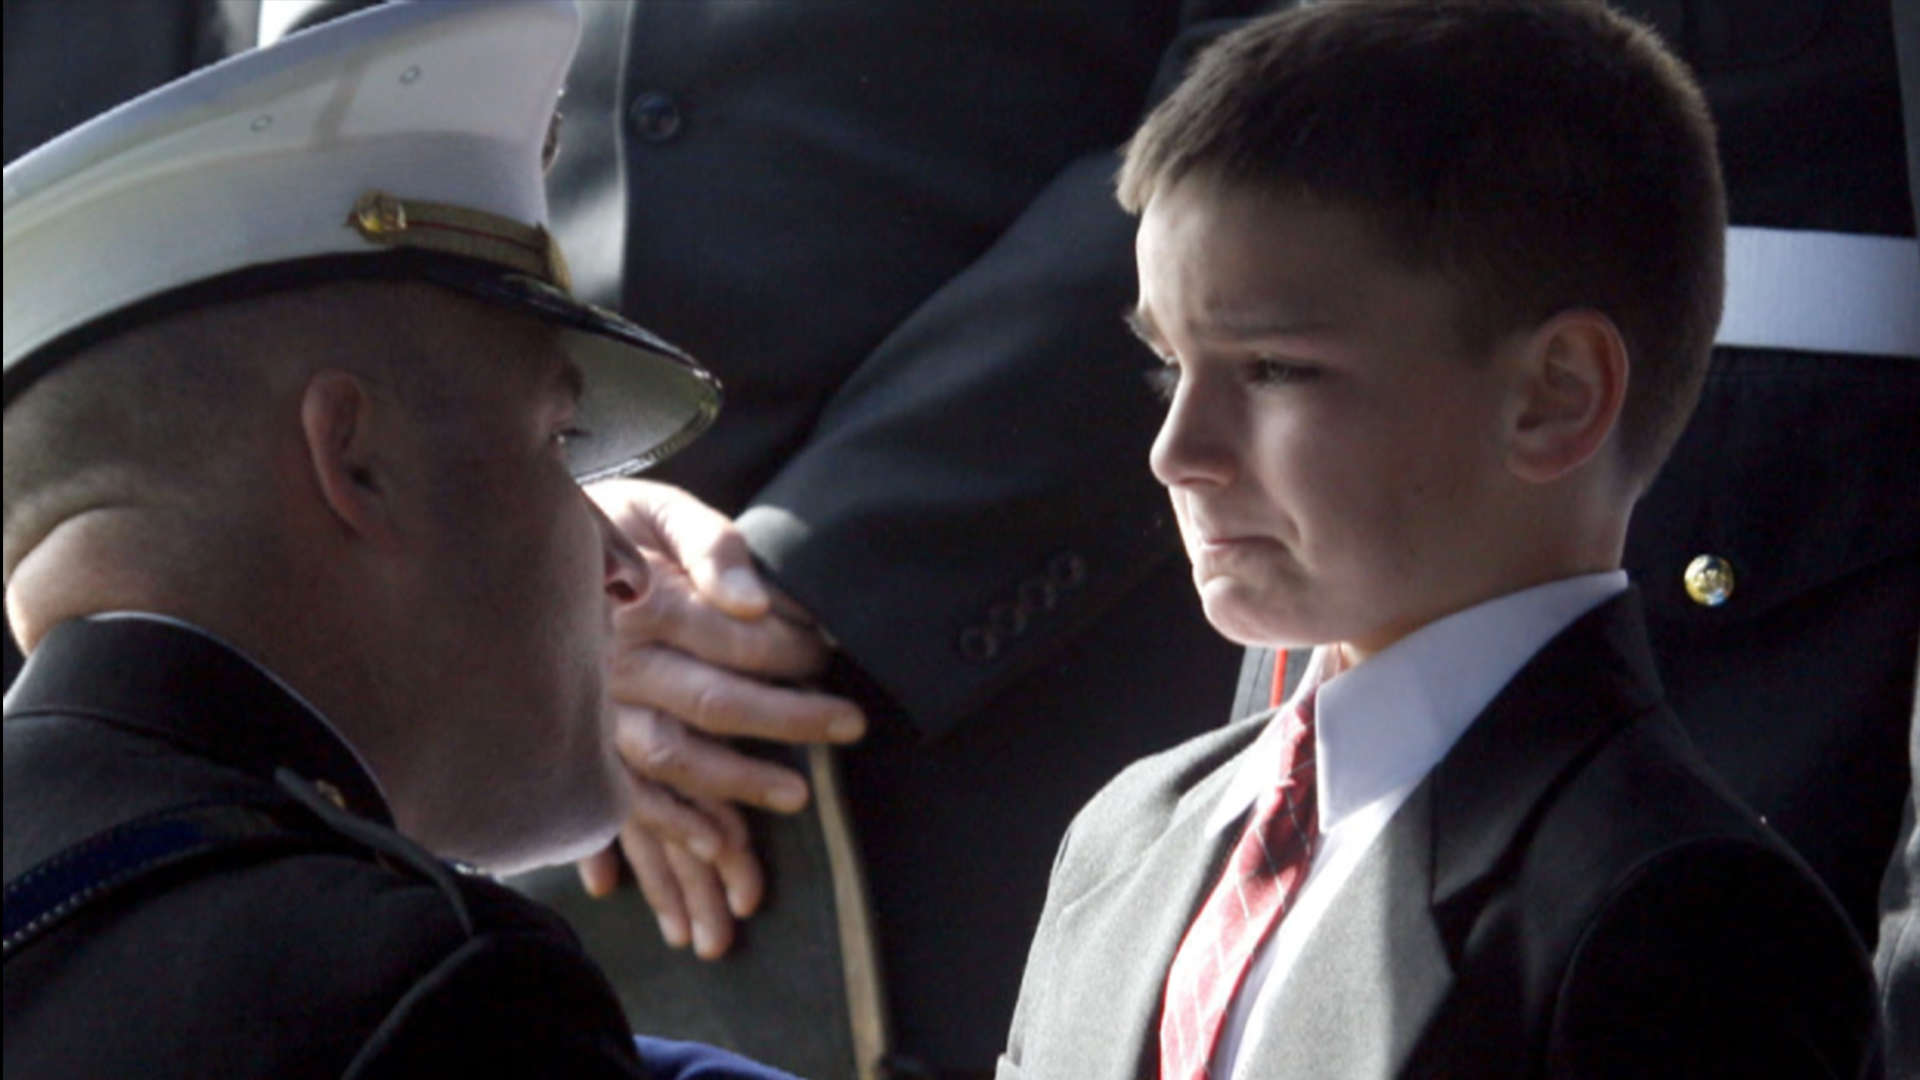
1822, 292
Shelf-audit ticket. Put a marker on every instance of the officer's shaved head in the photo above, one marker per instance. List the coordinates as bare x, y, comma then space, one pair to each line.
159, 444
174, 415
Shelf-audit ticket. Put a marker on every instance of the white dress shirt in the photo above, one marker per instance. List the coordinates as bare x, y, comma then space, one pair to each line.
1379, 728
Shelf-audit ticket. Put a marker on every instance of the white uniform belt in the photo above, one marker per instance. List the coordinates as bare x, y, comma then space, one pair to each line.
1822, 292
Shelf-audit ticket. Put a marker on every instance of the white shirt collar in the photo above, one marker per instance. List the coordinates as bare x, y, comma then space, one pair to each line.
1384, 724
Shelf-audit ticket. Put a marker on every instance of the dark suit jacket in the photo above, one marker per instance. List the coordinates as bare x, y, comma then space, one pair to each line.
890, 228
358, 955
1570, 892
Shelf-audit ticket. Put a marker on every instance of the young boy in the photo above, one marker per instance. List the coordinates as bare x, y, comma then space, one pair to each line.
1434, 285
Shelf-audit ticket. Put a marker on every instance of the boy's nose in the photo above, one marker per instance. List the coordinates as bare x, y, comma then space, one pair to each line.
1193, 447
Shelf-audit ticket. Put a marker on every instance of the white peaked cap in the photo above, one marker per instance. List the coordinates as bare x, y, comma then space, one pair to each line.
402, 141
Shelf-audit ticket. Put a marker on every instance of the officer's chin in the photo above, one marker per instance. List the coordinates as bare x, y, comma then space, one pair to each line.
582, 817
556, 848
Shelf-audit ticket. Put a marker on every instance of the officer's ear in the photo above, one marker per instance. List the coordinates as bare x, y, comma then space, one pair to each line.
339, 422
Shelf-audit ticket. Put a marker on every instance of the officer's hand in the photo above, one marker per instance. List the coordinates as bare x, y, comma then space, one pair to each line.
695, 900
691, 666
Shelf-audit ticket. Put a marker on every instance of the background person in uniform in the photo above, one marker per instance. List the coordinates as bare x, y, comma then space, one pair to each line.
1435, 285
295, 396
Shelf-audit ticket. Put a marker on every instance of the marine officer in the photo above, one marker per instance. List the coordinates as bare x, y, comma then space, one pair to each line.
314, 608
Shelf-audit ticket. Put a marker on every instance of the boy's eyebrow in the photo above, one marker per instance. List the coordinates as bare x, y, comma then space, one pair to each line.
1226, 329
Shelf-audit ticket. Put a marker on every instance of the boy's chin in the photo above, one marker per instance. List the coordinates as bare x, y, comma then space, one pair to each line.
1241, 615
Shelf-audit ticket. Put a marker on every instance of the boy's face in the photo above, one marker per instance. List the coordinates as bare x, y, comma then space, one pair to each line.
1331, 451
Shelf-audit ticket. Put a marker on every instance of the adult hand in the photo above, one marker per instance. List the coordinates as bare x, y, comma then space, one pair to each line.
695, 663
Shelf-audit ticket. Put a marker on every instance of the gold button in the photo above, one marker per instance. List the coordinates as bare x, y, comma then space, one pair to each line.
1709, 580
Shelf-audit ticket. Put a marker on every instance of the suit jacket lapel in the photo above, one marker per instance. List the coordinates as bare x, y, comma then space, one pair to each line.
1379, 967
1371, 976
1589, 680
1127, 928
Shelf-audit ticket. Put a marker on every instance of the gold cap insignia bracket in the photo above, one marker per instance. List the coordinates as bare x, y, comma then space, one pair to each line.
389, 221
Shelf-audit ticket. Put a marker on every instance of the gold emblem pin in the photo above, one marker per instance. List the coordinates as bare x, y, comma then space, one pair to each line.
1709, 580
331, 793
377, 215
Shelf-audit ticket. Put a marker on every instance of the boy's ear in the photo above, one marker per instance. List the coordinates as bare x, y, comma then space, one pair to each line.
1572, 382
341, 432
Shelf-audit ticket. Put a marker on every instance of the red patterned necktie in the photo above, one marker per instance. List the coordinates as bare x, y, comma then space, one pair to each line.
1260, 880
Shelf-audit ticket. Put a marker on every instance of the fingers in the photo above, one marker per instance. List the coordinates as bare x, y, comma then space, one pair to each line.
695, 902
600, 872
719, 702
741, 878
694, 535
658, 810
672, 613
660, 751
706, 903
648, 857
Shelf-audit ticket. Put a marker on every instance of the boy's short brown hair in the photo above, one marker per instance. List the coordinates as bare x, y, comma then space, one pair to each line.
1543, 155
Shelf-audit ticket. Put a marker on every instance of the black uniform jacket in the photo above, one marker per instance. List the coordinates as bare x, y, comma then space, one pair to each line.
352, 952
1571, 892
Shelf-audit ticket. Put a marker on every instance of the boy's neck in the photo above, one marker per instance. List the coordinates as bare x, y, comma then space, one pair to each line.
1345, 655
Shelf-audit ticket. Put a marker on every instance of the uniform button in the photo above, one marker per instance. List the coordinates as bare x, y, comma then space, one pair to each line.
655, 117
1007, 619
1066, 570
1709, 580
1038, 594
331, 793
979, 644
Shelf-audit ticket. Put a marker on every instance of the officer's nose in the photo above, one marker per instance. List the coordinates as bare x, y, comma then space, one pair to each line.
624, 571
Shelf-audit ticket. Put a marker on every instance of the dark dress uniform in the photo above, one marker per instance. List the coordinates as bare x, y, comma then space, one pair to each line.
321, 944
1796, 469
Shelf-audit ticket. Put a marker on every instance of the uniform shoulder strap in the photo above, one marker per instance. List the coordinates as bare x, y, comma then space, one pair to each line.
394, 849
108, 862
200, 836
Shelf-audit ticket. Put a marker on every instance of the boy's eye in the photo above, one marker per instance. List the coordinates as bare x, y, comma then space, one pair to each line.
1163, 380
569, 436
1267, 371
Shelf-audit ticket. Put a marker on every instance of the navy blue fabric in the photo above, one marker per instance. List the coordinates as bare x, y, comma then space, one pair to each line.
673, 1059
